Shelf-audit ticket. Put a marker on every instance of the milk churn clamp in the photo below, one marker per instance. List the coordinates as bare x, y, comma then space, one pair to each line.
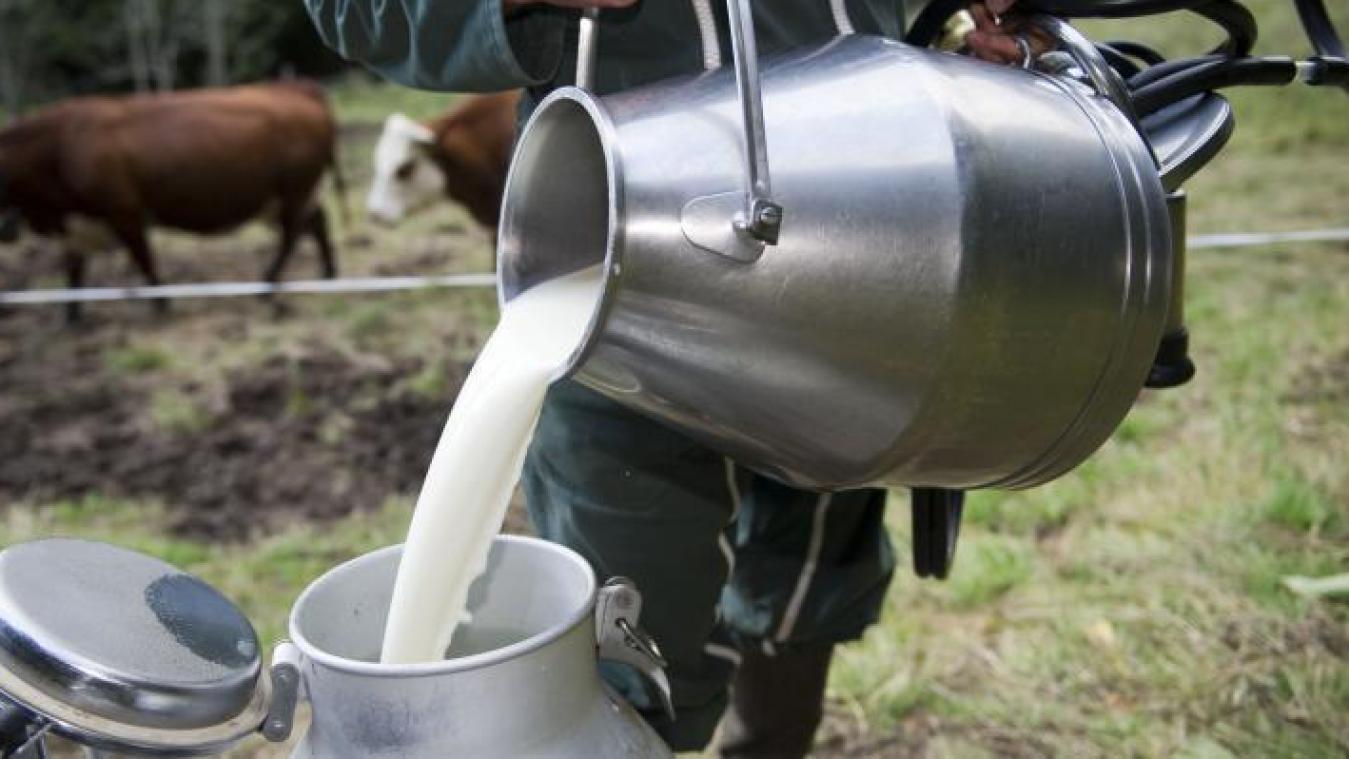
620, 639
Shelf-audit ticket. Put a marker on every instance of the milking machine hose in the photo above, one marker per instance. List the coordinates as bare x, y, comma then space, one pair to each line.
1164, 82
14, 724
1273, 70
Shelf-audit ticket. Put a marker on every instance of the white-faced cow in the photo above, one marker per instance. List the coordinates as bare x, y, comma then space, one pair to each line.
464, 154
101, 170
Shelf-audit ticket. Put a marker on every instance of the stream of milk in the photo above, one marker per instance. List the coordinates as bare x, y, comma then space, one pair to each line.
478, 461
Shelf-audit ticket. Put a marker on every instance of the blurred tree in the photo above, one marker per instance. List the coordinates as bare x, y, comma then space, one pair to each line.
20, 20
51, 49
215, 20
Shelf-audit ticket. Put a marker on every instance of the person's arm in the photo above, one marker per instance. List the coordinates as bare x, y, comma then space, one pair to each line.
462, 45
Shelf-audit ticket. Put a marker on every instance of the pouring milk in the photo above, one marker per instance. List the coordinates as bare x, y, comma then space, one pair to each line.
478, 461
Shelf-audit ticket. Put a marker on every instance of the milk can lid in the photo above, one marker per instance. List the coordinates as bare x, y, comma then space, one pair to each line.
119, 649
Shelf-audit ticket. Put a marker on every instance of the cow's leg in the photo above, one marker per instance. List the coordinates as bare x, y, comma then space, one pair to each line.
317, 225
74, 261
291, 224
138, 245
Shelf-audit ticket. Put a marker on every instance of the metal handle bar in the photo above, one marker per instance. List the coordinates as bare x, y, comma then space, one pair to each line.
761, 217
1106, 80
585, 49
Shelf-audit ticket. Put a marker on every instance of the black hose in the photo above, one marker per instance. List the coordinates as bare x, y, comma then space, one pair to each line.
1236, 20
1328, 72
1138, 50
1107, 8
1118, 60
1167, 68
14, 723
1316, 21
1211, 76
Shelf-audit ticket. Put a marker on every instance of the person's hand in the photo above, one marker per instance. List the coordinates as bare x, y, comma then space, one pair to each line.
510, 5
1002, 38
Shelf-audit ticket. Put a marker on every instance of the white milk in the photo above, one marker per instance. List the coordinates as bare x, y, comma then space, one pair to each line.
478, 461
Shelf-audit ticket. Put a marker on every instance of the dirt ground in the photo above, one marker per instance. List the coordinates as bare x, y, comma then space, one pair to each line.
304, 424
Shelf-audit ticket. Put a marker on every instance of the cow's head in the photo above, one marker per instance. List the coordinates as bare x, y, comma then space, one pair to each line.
406, 179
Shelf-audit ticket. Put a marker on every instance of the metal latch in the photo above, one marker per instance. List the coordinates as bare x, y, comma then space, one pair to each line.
619, 637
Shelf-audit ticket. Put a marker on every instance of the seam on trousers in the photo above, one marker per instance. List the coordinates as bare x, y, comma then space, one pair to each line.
723, 652
707, 32
733, 486
723, 542
841, 21
808, 568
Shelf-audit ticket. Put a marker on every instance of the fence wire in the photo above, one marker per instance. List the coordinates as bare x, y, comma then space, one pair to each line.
397, 284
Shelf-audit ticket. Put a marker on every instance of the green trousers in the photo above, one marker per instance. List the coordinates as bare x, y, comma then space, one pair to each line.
726, 559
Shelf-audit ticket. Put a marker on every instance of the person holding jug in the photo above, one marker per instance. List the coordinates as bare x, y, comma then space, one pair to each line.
749, 583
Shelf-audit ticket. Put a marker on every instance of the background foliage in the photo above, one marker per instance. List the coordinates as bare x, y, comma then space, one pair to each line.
54, 48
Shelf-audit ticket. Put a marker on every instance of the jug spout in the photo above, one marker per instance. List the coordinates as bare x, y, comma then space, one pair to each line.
968, 290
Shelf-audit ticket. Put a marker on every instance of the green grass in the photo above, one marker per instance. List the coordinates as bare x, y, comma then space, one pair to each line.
262, 577
360, 98
136, 359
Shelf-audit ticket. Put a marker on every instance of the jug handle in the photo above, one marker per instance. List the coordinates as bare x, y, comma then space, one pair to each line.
286, 691
1105, 80
759, 217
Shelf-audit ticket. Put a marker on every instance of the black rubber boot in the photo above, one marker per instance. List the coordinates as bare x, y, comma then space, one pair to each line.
777, 702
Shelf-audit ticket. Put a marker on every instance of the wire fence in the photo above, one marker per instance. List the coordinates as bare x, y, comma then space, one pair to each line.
397, 284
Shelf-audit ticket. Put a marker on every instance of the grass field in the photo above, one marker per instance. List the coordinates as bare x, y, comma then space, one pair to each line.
1133, 608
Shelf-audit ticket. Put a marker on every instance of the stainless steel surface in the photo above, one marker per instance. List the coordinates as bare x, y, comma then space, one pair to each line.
1105, 79
123, 651
522, 682
761, 218
968, 291
585, 49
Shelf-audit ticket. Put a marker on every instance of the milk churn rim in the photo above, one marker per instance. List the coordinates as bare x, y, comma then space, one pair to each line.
458, 664
1142, 313
607, 135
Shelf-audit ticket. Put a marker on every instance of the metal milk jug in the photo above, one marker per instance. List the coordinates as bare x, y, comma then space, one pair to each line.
121, 652
956, 276
522, 679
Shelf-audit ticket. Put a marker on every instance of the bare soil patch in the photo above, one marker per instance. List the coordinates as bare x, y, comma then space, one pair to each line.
310, 438
291, 434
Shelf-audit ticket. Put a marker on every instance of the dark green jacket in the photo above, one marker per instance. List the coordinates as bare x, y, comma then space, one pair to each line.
468, 45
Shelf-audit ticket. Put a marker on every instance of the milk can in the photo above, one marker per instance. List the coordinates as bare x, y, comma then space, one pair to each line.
521, 680
954, 275
121, 652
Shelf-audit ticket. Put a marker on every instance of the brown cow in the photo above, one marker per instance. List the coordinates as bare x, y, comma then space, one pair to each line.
464, 154
104, 169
